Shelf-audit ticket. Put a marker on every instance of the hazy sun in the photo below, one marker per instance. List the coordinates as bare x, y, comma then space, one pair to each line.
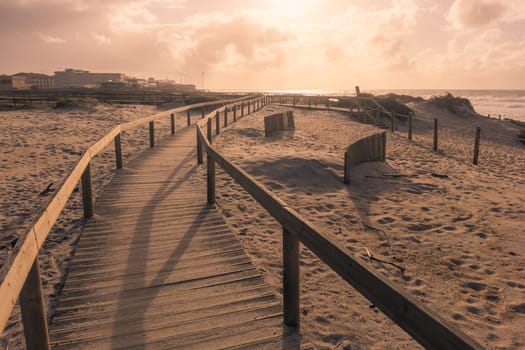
292, 8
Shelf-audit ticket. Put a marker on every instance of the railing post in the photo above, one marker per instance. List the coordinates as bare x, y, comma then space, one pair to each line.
211, 179
87, 193
290, 279
209, 130
118, 152
242, 109
249, 104
202, 112
172, 118
199, 147
226, 117
234, 113
151, 133
410, 127
217, 123
435, 134
34, 311
188, 117
476, 146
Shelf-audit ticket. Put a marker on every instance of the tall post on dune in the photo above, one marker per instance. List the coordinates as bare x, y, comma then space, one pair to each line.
410, 127
435, 134
476, 146
172, 120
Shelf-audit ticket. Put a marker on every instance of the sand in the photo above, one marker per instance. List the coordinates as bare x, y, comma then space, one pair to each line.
456, 228
40, 147
459, 237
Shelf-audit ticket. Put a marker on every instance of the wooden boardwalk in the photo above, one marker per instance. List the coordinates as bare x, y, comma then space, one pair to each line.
158, 268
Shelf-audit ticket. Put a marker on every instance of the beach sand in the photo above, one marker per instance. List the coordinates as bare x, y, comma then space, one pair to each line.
456, 228
40, 147
460, 237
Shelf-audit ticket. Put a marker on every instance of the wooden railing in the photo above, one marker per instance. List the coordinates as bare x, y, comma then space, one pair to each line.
20, 276
424, 325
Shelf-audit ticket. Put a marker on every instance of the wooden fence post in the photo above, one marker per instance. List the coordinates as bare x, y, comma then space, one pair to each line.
476, 146
226, 117
87, 193
209, 131
346, 178
242, 109
211, 179
34, 311
202, 112
410, 127
290, 279
172, 118
199, 147
249, 104
217, 123
118, 152
392, 122
435, 134
234, 113
188, 117
151, 133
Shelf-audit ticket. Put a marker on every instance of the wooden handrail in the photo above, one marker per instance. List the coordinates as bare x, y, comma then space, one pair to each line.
15, 271
424, 325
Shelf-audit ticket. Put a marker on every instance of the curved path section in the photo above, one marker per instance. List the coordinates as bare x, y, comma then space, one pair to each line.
158, 268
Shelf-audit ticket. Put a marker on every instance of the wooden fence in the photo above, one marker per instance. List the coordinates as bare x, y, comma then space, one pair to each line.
368, 149
20, 275
278, 122
424, 325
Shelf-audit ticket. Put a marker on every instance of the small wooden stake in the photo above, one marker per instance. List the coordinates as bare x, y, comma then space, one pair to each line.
476, 145
435, 134
118, 152
87, 193
34, 311
290, 279
188, 117
151, 133
172, 118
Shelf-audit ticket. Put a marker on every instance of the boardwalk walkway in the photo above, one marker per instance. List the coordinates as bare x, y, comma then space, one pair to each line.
158, 268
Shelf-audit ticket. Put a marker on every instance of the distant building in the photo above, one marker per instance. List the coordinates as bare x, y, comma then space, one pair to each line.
83, 78
33, 81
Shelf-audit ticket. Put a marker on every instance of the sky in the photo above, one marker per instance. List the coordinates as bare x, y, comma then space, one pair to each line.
274, 44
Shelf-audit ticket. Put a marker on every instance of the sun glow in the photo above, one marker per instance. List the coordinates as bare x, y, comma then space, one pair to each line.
292, 8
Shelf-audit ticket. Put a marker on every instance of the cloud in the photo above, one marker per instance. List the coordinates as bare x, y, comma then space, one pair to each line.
100, 39
50, 39
475, 13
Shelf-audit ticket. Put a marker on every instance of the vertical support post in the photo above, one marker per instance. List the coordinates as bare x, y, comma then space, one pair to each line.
202, 112
410, 127
217, 123
435, 134
242, 109
392, 122
87, 193
290, 279
188, 117
151, 133
476, 146
172, 118
346, 179
249, 104
209, 130
211, 179
34, 311
118, 152
234, 113
383, 146
199, 147
226, 117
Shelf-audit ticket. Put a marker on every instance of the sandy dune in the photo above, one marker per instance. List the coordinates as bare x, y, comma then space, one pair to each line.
456, 228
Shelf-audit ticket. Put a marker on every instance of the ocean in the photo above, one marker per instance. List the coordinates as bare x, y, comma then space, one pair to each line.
507, 103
